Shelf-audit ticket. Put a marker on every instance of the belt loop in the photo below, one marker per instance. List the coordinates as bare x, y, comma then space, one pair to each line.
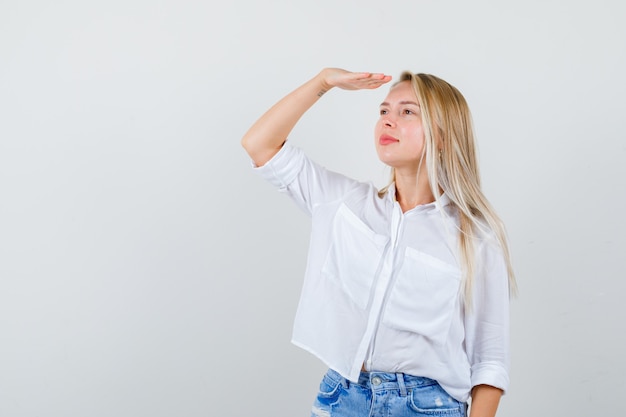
345, 383
400, 378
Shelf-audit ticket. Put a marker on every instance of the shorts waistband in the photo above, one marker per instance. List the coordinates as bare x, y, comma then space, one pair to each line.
377, 381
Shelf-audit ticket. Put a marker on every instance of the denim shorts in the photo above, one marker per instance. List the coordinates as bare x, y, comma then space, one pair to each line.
383, 394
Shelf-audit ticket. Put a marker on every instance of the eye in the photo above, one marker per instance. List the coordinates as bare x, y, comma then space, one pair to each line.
408, 111
383, 112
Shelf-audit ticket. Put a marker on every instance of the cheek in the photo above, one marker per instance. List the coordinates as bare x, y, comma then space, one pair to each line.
416, 134
377, 131
377, 128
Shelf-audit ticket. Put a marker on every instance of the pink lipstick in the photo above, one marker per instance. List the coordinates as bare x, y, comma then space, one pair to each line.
387, 140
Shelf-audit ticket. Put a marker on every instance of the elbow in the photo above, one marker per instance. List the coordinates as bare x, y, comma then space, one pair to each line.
248, 145
260, 152
245, 143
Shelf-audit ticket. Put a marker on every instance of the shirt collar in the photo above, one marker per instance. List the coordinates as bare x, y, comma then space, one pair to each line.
444, 200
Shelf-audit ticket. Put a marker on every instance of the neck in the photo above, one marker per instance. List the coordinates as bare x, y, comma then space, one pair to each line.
412, 191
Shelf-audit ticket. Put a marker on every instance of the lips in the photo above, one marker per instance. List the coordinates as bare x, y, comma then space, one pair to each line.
387, 140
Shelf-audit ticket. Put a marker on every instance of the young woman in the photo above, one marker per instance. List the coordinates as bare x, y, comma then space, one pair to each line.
406, 290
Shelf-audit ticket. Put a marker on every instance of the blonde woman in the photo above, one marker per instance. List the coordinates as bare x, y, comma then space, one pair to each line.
406, 289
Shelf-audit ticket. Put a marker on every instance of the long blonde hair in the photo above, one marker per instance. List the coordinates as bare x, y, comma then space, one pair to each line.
452, 165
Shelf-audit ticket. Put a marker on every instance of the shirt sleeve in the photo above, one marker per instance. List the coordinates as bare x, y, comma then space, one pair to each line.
487, 322
306, 182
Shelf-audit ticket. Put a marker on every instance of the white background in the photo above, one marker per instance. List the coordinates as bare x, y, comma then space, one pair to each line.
146, 271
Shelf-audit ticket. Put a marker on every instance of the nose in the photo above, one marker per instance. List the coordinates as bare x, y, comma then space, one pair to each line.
388, 120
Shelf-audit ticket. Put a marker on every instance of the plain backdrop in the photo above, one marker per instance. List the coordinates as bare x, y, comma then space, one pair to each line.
145, 270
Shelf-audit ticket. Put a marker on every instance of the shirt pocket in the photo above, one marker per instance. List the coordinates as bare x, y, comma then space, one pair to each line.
354, 256
424, 296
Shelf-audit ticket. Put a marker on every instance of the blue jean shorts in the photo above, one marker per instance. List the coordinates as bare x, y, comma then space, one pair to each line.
382, 394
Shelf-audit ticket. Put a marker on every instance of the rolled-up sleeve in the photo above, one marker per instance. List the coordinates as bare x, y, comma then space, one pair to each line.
283, 168
306, 182
487, 322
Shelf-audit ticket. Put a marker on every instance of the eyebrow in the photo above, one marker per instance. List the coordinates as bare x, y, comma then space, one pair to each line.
384, 103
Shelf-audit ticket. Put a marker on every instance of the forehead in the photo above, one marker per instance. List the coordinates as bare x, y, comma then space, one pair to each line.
403, 91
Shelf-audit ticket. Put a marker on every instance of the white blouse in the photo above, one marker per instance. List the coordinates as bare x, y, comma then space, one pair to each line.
383, 288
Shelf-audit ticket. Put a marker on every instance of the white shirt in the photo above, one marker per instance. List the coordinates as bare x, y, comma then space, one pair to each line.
383, 288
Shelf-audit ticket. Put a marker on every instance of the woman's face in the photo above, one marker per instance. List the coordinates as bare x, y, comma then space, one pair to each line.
398, 133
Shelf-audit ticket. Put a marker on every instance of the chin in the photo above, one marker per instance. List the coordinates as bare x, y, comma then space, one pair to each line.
387, 160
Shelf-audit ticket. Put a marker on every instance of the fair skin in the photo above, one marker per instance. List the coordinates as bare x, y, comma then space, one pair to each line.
485, 400
399, 143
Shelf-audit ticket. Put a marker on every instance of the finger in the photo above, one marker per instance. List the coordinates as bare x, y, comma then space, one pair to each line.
379, 76
378, 82
370, 76
383, 78
358, 76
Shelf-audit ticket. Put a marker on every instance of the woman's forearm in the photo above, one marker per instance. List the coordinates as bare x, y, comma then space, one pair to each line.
485, 400
268, 134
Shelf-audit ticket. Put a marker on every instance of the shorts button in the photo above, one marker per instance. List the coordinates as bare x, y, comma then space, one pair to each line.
376, 380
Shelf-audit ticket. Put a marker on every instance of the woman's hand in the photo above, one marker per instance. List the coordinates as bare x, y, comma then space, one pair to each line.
346, 80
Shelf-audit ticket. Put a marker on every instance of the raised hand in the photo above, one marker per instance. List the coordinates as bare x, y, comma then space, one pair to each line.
336, 77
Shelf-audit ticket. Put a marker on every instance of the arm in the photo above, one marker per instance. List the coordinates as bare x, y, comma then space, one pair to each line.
268, 134
485, 400
487, 332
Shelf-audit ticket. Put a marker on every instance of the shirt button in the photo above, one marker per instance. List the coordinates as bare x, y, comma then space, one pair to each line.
376, 380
